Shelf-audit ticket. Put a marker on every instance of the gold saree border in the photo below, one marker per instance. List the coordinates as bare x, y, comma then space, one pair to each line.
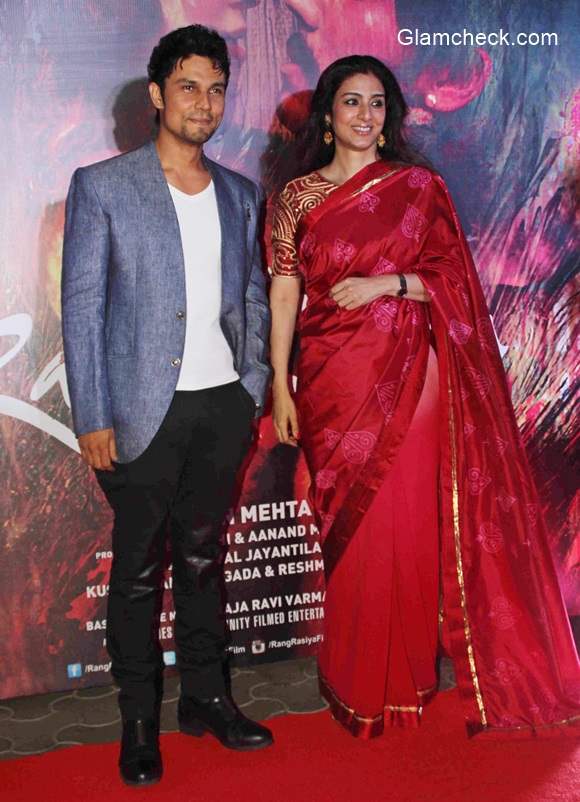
532, 727
370, 726
374, 181
458, 557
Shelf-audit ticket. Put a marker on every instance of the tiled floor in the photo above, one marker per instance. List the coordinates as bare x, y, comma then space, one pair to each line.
33, 724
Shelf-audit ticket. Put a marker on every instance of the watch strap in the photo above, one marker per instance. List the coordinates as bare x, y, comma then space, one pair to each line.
403, 283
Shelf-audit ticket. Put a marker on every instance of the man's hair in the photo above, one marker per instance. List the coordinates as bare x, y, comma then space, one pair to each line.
194, 40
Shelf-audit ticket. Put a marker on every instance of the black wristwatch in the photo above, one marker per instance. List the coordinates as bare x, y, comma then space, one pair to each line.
403, 282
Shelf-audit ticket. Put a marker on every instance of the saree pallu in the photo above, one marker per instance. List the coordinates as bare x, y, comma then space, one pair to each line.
362, 379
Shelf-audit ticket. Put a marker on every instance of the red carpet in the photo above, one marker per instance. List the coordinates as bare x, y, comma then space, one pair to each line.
316, 761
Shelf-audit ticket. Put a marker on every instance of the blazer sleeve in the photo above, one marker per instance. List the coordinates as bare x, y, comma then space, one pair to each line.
256, 370
85, 265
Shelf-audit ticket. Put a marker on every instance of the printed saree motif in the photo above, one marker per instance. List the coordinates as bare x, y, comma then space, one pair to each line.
361, 374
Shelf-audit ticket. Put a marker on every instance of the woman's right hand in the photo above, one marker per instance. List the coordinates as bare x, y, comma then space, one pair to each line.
285, 416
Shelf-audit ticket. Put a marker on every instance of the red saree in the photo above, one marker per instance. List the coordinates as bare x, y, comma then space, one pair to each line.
362, 386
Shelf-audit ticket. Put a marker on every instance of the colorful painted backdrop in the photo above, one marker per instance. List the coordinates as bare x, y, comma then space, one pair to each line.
499, 119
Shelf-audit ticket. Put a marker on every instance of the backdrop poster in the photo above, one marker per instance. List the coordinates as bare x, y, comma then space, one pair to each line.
495, 104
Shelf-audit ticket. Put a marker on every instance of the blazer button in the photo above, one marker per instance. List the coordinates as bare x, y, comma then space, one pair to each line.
180, 315
176, 362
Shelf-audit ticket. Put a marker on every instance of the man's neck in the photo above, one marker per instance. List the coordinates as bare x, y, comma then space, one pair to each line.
182, 163
177, 155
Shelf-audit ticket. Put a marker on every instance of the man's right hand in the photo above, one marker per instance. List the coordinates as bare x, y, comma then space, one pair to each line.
98, 449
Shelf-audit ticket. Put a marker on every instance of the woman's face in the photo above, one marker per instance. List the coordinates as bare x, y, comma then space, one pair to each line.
358, 112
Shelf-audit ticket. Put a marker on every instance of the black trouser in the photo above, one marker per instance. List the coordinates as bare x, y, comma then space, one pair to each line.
184, 482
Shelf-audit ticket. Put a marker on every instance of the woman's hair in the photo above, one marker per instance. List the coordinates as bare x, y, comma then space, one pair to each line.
313, 153
193, 40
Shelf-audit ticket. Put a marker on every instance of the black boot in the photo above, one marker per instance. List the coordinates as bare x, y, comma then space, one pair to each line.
221, 718
140, 758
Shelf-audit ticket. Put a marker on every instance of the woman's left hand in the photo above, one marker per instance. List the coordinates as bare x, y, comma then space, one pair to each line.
358, 291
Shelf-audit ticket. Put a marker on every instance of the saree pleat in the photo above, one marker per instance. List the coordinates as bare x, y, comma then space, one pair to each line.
383, 597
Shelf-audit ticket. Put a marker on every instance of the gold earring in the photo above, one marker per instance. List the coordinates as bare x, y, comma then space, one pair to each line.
381, 141
328, 138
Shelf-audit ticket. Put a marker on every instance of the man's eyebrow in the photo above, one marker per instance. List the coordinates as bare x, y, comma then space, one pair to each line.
193, 81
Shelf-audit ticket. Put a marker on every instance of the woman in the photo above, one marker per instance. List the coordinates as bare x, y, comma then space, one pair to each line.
425, 501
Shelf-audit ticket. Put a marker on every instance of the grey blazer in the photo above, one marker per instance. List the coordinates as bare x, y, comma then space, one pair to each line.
123, 294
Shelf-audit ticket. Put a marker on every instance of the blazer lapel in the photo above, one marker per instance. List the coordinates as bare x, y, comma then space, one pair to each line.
232, 247
162, 226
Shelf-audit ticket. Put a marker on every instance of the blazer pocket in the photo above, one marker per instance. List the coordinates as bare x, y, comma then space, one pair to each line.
120, 330
249, 224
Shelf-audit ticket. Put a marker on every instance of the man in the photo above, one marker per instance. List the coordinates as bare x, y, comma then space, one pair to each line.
165, 325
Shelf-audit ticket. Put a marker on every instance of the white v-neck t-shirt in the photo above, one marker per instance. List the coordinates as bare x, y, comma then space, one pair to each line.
207, 358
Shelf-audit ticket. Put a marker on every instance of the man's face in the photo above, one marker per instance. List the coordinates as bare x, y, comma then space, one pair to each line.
192, 104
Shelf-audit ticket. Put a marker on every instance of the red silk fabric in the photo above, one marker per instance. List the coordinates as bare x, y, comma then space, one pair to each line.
361, 375
377, 663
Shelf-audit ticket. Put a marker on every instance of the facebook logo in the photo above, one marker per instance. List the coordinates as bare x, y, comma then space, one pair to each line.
169, 658
74, 670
